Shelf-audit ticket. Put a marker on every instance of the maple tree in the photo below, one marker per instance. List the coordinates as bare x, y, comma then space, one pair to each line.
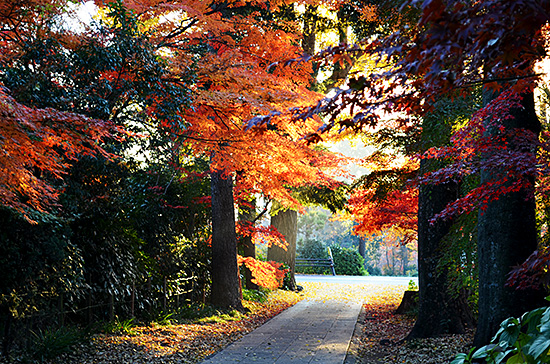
36, 145
265, 274
134, 71
383, 199
121, 225
234, 86
38, 142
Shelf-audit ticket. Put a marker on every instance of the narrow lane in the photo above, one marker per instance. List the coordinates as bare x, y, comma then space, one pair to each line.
317, 329
378, 280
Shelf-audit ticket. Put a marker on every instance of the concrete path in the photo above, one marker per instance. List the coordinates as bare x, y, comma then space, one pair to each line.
377, 280
308, 332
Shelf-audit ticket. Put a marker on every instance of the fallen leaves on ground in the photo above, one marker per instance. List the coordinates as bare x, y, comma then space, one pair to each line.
379, 340
382, 334
183, 343
360, 293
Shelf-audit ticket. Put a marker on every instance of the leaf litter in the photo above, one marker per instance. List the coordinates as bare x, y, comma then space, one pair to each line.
379, 338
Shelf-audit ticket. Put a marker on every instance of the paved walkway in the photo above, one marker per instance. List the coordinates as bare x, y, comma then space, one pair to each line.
308, 332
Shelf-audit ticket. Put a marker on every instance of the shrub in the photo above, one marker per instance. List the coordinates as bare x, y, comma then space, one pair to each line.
524, 340
50, 343
348, 261
312, 249
373, 270
259, 295
411, 271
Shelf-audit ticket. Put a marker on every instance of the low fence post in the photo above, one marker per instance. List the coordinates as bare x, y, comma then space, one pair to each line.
331, 261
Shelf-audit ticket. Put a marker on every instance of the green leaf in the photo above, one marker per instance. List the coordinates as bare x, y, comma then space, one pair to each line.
539, 346
508, 333
544, 327
460, 359
532, 319
483, 352
519, 358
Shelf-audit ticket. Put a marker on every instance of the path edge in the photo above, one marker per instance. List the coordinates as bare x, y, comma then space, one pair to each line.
352, 354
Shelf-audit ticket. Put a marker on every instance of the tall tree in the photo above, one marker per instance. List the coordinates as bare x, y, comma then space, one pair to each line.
507, 231
286, 223
438, 311
235, 48
226, 291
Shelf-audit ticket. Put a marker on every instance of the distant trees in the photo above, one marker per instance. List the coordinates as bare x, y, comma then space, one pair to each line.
384, 252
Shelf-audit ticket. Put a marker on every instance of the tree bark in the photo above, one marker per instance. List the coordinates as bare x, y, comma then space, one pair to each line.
362, 246
247, 215
310, 30
507, 235
438, 312
286, 222
340, 71
226, 289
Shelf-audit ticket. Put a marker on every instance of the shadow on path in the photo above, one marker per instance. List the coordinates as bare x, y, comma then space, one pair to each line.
316, 330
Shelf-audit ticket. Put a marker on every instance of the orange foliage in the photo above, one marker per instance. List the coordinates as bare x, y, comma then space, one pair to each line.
265, 274
239, 76
399, 209
394, 207
37, 146
267, 235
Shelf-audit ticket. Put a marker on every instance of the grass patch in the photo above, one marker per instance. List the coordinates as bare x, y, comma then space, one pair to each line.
255, 295
126, 327
50, 343
220, 317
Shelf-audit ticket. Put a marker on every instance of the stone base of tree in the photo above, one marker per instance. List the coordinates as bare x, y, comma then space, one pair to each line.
409, 303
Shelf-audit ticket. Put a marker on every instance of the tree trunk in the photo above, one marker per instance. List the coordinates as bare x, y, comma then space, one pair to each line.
362, 246
286, 222
404, 255
340, 71
310, 30
438, 312
226, 291
247, 216
507, 235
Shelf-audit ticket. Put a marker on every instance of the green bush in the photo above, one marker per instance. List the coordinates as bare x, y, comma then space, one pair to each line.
312, 249
412, 286
525, 340
373, 270
50, 343
254, 295
348, 261
411, 271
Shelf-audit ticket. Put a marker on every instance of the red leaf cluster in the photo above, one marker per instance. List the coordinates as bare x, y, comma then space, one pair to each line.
265, 274
37, 148
534, 273
261, 234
